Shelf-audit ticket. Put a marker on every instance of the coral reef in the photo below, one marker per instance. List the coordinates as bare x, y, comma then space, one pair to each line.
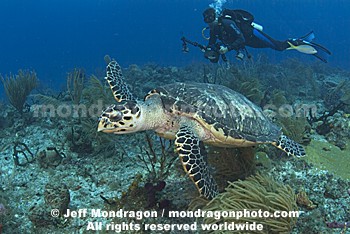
327, 156
296, 128
336, 129
303, 200
151, 191
243, 82
97, 90
231, 164
256, 193
337, 93
57, 196
138, 197
157, 161
18, 87
75, 85
104, 171
298, 74
49, 157
316, 183
22, 155
278, 98
78, 140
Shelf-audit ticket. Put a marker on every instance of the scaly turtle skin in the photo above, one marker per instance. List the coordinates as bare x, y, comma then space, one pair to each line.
193, 114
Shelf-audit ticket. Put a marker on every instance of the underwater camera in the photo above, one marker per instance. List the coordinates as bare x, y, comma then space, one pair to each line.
212, 54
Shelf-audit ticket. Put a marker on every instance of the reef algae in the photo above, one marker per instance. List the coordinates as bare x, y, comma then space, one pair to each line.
327, 156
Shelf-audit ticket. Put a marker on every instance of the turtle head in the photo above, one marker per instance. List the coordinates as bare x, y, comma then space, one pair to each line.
121, 118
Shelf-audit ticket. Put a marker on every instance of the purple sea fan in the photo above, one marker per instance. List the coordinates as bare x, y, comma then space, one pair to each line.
335, 224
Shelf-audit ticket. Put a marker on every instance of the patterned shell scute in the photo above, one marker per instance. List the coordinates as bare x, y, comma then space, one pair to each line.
220, 107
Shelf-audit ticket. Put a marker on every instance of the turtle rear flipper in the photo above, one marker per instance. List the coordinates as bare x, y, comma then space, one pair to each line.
192, 154
116, 81
290, 147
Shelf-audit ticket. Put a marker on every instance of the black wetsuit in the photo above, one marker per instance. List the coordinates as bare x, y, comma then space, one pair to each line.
228, 33
259, 39
235, 31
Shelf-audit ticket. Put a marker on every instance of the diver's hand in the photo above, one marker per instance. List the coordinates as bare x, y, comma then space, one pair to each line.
223, 49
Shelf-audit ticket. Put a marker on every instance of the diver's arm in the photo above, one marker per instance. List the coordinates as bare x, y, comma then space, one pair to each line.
212, 38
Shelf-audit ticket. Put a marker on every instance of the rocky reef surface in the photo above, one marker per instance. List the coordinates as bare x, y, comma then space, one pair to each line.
57, 160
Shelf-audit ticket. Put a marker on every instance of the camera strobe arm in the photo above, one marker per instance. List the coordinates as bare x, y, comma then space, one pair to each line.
196, 44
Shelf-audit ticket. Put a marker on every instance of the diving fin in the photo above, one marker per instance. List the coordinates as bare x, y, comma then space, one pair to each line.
321, 51
308, 37
318, 46
305, 45
320, 58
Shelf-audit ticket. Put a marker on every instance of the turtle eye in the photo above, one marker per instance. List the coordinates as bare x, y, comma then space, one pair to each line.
115, 117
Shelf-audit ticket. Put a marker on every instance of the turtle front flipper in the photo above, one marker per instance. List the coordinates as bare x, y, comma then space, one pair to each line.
116, 81
290, 147
192, 154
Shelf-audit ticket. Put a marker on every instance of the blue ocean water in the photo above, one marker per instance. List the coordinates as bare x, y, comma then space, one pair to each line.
52, 37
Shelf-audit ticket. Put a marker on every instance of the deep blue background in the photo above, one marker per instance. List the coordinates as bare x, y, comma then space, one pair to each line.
54, 36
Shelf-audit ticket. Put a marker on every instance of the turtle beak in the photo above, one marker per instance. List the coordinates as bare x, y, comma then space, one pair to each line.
108, 121
118, 119
102, 125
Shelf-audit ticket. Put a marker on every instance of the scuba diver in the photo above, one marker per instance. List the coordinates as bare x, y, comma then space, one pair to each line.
236, 30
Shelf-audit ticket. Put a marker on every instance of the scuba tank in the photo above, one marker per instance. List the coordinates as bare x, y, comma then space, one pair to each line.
242, 17
257, 26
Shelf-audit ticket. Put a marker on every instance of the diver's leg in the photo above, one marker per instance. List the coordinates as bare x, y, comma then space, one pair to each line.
259, 39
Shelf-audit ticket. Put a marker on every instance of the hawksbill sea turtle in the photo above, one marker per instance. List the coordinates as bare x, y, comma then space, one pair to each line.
193, 114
